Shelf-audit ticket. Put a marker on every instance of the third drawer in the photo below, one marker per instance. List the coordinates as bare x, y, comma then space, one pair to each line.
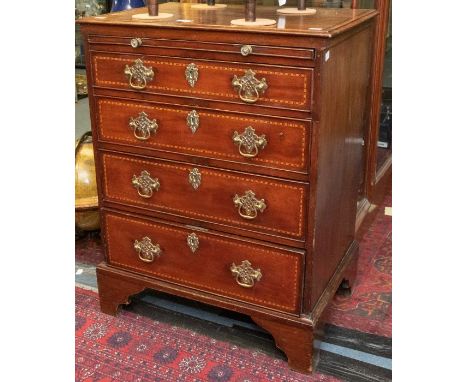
225, 200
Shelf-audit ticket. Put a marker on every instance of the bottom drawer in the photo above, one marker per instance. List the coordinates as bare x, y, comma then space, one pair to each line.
255, 273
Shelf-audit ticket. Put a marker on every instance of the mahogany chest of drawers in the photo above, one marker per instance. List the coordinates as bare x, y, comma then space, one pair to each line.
228, 159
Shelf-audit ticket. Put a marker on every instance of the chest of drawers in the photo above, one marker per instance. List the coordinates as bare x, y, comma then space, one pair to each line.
228, 159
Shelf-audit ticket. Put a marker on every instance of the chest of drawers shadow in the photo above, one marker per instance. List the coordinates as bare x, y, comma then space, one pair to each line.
228, 160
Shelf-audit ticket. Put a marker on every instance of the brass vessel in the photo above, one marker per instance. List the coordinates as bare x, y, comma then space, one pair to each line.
86, 197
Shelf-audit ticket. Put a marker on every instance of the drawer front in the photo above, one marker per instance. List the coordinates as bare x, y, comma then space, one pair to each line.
274, 86
247, 202
272, 280
274, 143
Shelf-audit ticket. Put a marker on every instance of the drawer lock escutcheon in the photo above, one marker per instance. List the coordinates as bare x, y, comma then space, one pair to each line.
249, 87
248, 205
193, 121
191, 74
142, 126
145, 184
249, 142
138, 74
245, 275
194, 178
193, 242
147, 251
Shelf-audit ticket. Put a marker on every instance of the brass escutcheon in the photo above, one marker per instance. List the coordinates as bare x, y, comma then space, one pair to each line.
138, 74
145, 184
147, 250
195, 178
245, 274
193, 242
249, 87
142, 126
248, 205
249, 142
191, 74
193, 121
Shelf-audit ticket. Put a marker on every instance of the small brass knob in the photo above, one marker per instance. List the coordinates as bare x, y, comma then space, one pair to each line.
245, 50
136, 42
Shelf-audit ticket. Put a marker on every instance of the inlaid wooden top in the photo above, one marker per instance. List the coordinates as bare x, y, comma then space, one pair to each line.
327, 22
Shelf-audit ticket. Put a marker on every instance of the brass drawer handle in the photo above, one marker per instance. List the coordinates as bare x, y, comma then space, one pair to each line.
245, 50
249, 87
193, 121
248, 205
193, 242
138, 74
145, 184
136, 42
249, 142
191, 74
142, 126
146, 250
245, 275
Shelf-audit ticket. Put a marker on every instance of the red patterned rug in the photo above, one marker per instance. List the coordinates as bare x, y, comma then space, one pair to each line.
369, 309
134, 348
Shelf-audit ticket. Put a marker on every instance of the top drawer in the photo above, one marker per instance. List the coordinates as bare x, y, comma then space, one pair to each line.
283, 87
247, 53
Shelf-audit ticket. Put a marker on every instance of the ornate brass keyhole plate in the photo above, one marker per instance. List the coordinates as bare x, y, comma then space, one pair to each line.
146, 250
193, 121
142, 126
195, 178
248, 205
249, 142
249, 87
138, 74
145, 184
191, 74
245, 275
193, 242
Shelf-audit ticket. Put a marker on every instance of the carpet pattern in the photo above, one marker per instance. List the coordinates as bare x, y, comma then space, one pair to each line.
369, 309
134, 348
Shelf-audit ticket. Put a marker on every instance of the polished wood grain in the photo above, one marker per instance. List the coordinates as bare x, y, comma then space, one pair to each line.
341, 130
281, 269
213, 200
325, 23
287, 140
286, 86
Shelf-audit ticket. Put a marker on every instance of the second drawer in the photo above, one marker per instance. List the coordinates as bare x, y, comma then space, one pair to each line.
248, 202
267, 142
